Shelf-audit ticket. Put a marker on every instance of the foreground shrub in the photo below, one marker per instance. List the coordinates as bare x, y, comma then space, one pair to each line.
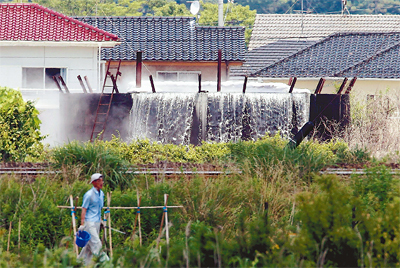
89, 158
20, 136
337, 230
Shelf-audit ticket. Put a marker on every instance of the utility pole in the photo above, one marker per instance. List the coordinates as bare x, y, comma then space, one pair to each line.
220, 13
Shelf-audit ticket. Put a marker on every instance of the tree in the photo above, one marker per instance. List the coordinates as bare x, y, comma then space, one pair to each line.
172, 9
19, 127
234, 14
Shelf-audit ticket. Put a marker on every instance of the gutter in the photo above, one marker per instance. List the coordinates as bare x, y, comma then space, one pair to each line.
60, 43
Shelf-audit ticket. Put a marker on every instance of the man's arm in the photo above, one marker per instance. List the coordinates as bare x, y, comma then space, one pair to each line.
83, 215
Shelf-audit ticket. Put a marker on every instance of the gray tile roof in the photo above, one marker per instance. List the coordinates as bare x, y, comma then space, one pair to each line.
365, 55
266, 55
169, 38
270, 27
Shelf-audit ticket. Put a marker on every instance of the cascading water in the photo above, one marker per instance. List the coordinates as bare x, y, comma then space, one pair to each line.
235, 116
163, 117
183, 118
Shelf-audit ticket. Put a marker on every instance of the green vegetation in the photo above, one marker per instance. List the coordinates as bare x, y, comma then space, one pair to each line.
311, 220
222, 222
19, 127
272, 209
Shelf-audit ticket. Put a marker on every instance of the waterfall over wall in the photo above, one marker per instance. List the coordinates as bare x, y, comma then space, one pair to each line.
182, 118
163, 117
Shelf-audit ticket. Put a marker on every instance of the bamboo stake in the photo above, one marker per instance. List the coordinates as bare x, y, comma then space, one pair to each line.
9, 235
136, 218
71, 201
126, 207
162, 222
109, 223
166, 218
104, 229
19, 237
139, 200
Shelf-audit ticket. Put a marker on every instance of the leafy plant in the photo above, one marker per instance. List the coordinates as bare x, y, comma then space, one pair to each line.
19, 127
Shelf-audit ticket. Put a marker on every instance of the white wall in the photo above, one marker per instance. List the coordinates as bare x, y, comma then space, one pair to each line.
76, 60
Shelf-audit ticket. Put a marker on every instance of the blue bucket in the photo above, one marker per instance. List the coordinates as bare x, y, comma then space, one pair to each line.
82, 237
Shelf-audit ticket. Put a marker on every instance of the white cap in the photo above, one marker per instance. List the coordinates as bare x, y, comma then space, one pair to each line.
95, 176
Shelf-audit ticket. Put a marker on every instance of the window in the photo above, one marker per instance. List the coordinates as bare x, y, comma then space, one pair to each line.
41, 78
178, 76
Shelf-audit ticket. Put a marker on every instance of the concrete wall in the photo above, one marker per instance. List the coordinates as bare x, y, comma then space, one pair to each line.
76, 60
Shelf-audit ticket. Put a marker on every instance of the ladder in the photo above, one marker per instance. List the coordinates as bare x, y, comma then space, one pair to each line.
103, 108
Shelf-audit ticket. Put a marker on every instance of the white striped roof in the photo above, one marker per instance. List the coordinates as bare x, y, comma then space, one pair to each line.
271, 27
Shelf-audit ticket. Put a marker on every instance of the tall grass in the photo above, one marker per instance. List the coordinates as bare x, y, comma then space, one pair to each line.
375, 125
81, 159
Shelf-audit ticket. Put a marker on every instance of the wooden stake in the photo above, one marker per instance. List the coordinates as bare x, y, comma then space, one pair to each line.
19, 236
9, 235
139, 200
136, 218
109, 223
166, 218
162, 221
71, 201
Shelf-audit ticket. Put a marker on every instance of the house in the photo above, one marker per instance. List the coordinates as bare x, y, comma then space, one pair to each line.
37, 43
173, 48
272, 27
279, 36
374, 58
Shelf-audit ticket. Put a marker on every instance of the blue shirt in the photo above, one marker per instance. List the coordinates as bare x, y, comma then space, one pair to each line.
93, 201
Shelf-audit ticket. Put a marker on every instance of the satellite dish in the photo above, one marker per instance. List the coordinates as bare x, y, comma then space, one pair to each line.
195, 7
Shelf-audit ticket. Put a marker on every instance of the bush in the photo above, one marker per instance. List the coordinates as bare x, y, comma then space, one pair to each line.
19, 127
89, 158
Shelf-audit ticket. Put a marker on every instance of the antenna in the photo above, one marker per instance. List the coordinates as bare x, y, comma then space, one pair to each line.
195, 7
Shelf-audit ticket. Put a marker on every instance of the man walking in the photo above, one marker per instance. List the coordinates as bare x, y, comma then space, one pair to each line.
93, 202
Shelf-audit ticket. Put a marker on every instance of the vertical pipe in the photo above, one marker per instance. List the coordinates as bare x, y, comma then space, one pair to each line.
199, 83
321, 85
88, 84
58, 84
352, 82
245, 84
63, 83
293, 82
139, 69
220, 13
219, 70
342, 86
153, 89
82, 84
99, 61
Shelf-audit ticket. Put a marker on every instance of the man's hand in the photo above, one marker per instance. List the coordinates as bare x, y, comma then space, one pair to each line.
103, 224
81, 228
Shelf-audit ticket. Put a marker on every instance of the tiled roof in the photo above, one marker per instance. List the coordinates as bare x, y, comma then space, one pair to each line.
365, 55
266, 55
170, 38
269, 27
32, 22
